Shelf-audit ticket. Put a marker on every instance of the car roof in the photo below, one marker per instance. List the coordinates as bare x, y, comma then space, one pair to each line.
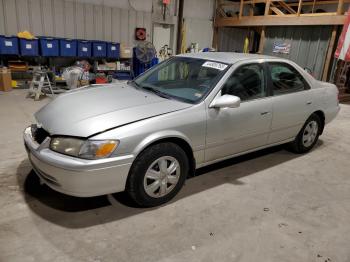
226, 57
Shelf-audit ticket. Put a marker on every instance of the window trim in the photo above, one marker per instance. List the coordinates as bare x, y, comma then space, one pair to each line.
263, 67
270, 82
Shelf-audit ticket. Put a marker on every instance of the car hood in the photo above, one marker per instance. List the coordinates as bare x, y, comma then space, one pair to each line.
87, 111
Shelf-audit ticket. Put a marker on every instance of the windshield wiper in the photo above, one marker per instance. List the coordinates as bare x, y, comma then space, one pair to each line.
155, 91
133, 83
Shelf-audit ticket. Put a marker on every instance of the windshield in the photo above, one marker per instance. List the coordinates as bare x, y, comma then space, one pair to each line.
186, 79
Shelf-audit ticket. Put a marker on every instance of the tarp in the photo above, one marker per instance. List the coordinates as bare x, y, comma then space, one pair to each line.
343, 51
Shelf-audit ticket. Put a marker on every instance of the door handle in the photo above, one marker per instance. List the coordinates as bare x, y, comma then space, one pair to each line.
264, 113
309, 102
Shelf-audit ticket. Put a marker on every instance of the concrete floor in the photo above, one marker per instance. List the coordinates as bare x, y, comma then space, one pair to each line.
267, 206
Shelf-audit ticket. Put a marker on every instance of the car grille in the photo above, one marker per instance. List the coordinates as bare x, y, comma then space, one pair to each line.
39, 134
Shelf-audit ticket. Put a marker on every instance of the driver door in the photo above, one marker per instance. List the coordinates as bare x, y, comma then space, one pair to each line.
234, 130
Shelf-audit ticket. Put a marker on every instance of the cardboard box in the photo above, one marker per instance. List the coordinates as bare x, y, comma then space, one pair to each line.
125, 51
83, 83
5, 79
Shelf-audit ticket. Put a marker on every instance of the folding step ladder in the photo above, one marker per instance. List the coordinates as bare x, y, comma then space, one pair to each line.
40, 85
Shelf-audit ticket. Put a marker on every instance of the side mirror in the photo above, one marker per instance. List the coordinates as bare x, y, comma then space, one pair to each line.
226, 101
308, 70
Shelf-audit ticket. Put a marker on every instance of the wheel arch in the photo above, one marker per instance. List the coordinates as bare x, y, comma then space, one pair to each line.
322, 117
173, 137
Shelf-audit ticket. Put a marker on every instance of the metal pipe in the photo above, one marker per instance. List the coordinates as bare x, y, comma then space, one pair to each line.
179, 26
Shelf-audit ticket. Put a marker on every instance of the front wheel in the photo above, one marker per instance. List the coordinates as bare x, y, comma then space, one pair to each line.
157, 174
308, 135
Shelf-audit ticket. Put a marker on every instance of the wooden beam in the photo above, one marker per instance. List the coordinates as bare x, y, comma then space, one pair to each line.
320, 3
329, 53
215, 42
277, 11
320, 14
267, 7
251, 8
299, 7
313, 6
262, 40
287, 7
327, 2
240, 10
271, 20
234, 4
255, 1
340, 7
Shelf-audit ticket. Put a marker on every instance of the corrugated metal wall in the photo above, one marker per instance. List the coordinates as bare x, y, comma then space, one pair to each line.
72, 19
308, 45
231, 39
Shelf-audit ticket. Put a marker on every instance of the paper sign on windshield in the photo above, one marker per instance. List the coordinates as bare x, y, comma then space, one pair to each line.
215, 65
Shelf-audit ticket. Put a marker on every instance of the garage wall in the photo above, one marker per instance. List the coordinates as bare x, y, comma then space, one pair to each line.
77, 19
308, 45
231, 39
198, 16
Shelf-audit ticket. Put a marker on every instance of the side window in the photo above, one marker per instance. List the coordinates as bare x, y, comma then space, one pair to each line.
286, 79
247, 82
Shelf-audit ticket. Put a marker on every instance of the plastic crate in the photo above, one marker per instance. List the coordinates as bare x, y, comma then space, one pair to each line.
84, 48
113, 50
68, 47
49, 46
29, 47
122, 75
8, 45
99, 49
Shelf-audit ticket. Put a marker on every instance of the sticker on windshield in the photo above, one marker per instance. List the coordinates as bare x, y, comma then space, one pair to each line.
215, 65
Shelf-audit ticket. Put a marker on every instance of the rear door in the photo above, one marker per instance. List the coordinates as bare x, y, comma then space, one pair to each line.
291, 100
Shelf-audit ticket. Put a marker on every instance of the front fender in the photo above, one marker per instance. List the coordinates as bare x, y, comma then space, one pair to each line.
154, 137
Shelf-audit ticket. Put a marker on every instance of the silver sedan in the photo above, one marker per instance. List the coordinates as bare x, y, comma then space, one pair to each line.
190, 111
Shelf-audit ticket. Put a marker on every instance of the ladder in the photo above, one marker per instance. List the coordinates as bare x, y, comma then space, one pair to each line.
40, 85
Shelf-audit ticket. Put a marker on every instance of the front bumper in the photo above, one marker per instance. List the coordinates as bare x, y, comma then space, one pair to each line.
74, 176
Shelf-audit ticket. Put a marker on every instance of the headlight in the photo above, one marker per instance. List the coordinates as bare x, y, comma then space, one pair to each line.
88, 149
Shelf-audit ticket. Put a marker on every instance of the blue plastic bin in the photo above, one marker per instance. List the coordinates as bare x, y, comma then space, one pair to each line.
139, 67
29, 47
122, 76
99, 49
49, 46
8, 45
68, 47
113, 50
84, 48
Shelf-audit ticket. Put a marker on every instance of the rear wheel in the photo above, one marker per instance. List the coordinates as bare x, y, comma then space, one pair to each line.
157, 174
308, 135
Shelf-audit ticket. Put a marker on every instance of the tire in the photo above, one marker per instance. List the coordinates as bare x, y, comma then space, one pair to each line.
313, 127
157, 174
